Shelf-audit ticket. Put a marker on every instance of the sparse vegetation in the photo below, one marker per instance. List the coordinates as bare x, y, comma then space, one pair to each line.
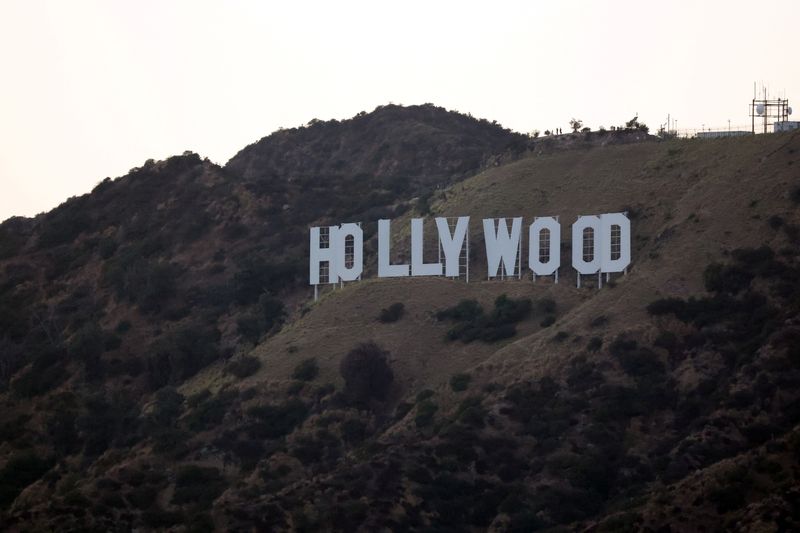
473, 324
594, 344
198, 486
243, 367
367, 374
306, 370
393, 313
19, 472
460, 382
794, 195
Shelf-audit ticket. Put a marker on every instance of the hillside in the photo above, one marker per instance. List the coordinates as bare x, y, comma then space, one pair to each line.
164, 366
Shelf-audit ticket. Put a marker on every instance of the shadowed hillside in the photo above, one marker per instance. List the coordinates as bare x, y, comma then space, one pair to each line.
164, 365
423, 145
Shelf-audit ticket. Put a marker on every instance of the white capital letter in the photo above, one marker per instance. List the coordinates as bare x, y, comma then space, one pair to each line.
319, 254
452, 244
385, 268
344, 272
549, 228
616, 252
586, 244
501, 245
418, 265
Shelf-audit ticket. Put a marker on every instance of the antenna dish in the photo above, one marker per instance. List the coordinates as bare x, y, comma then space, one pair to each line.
789, 110
760, 109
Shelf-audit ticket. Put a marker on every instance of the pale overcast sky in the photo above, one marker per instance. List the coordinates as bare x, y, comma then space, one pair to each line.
89, 89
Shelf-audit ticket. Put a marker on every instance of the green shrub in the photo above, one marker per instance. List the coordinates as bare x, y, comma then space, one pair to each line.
107, 247
471, 412
198, 485
142, 497
775, 221
168, 406
275, 421
64, 223
425, 413
158, 518
88, 342
460, 382
111, 342
464, 311
497, 333
561, 336
424, 395
546, 306
473, 324
146, 282
18, 473
181, 355
794, 195
729, 279
306, 370
11, 239
666, 340
268, 315
423, 203
45, 374
257, 275
393, 313
666, 306
509, 311
209, 412
243, 367
727, 498
323, 446
594, 344
353, 430
366, 372
635, 360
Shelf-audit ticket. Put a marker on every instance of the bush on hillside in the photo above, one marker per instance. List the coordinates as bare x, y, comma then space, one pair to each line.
306, 370
729, 279
794, 196
207, 411
266, 316
181, 355
275, 421
18, 473
464, 311
594, 344
366, 372
244, 366
257, 275
168, 406
392, 314
473, 324
144, 281
198, 485
460, 382
425, 413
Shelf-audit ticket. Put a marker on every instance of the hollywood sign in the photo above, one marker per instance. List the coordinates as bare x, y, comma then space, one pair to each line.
601, 244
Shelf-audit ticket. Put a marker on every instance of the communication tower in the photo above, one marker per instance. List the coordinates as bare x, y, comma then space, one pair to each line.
768, 111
